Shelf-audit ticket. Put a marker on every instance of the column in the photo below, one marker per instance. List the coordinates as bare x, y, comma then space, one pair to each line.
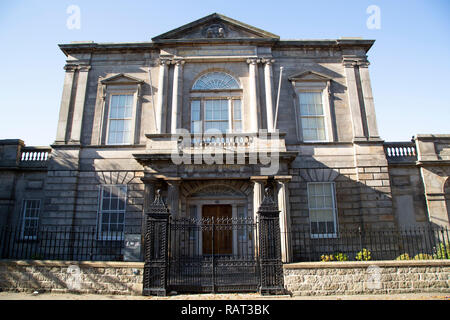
177, 95
173, 196
285, 223
161, 104
78, 110
65, 104
368, 100
268, 81
353, 99
258, 190
149, 191
253, 105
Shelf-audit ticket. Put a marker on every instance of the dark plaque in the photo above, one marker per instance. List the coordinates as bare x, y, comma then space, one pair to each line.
132, 248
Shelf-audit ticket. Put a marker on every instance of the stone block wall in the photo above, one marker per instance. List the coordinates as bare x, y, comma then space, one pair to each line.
367, 277
65, 276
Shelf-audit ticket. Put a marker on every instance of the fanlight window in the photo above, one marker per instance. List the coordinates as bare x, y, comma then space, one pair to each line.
216, 81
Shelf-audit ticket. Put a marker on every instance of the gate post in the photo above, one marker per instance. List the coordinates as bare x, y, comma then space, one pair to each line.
272, 280
156, 248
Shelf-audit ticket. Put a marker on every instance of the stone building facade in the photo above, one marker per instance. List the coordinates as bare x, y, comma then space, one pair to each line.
193, 113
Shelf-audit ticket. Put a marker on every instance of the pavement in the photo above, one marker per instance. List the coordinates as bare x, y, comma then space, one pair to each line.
232, 296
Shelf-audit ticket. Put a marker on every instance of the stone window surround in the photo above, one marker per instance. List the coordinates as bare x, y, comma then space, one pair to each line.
122, 90
335, 213
24, 218
316, 86
119, 84
216, 94
100, 213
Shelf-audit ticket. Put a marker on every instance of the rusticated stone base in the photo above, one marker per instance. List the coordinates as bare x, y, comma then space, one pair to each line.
368, 277
124, 278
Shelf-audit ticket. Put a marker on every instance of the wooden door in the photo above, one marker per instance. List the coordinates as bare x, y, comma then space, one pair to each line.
222, 241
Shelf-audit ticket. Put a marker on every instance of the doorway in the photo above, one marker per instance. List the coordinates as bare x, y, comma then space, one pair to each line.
218, 237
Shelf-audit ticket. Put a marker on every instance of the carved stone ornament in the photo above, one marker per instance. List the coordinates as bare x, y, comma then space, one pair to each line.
216, 30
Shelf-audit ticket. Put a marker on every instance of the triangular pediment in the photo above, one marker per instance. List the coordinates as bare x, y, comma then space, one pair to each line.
309, 76
121, 78
215, 26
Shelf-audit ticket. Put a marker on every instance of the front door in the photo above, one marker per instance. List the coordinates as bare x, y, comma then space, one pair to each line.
218, 237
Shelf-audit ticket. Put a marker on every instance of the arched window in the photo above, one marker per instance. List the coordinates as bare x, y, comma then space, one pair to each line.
215, 81
216, 103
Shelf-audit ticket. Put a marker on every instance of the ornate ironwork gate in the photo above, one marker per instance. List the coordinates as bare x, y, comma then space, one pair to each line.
216, 253
213, 255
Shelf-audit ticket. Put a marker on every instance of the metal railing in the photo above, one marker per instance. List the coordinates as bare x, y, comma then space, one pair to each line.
357, 244
78, 243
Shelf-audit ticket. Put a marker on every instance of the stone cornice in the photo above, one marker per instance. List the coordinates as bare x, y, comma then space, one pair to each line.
337, 44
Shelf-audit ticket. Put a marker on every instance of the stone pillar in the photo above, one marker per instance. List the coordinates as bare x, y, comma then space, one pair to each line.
285, 223
268, 81
369, 105
78, 110
258, 188
177, 96
353, 99
173, 196
253, 104
65, 104
161, 104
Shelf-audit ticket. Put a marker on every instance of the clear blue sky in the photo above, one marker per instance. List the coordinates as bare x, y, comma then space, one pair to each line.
410, 61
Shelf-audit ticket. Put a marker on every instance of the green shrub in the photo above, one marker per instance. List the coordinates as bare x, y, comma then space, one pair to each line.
442, 251
363, 255
326, 257
340, 256
403, 256
423, 256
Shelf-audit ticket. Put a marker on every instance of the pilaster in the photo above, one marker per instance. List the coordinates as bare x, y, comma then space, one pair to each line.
177, 95
78, 110
61, 132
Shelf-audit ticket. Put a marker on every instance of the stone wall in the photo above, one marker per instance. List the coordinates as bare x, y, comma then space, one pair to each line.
67, 276
367, 277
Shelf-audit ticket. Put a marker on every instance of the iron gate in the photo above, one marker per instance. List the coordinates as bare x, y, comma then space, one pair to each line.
216, 253
213, 254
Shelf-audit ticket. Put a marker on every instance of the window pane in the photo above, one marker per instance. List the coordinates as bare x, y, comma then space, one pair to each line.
322, 209
195, 110
237, 110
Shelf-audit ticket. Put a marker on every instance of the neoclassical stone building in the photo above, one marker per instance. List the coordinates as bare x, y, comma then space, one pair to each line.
194, 113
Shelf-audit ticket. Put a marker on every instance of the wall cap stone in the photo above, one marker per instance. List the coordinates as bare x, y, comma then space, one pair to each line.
58, 263
365, 264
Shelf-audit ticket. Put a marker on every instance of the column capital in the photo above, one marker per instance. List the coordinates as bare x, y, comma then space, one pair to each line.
84, 68
354, 61
253, 61
267, 61
282, 179
70, 67
164, 61
259, 178
178, 62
